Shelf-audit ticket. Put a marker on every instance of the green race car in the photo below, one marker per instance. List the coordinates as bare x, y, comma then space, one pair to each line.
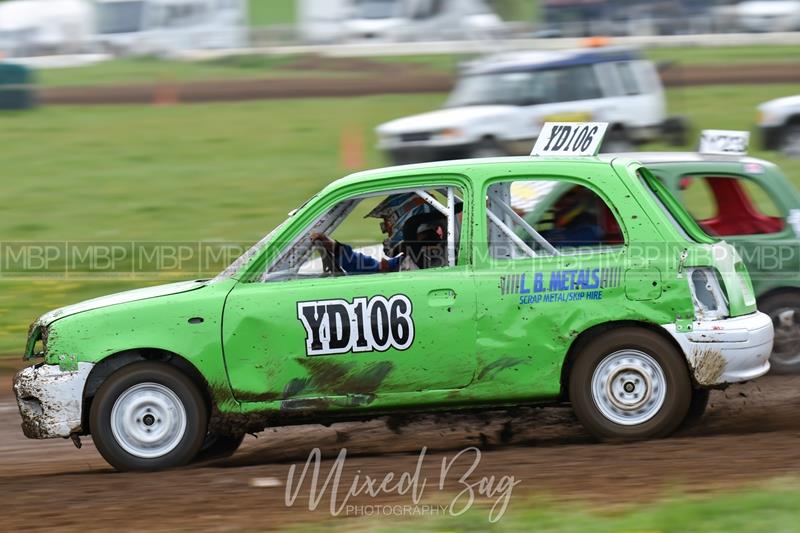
750, 204
613, 300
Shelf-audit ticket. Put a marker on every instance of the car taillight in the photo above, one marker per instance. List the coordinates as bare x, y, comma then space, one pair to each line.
709, 299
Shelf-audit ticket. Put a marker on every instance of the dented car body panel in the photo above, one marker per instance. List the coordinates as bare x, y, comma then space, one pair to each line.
481, 332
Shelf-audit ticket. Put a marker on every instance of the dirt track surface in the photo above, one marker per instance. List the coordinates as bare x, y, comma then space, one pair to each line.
375, 80
750, 433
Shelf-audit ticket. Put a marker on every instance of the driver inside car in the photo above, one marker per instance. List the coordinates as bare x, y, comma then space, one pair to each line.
574, 222
416, 238
427, 249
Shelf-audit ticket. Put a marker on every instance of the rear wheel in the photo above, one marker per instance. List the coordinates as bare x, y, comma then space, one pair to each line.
488, 148
630, 384
784, 309
697, 407
148, 416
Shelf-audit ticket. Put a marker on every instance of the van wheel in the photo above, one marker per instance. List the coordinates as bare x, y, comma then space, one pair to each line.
784, 309
790, 141
617, 142
488, 148
148, 416
630, 384
218, 446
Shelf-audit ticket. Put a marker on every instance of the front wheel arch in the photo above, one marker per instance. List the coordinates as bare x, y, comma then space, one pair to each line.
119, 360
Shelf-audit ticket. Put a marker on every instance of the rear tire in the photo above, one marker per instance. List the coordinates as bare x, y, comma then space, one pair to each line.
784, 310
488, 148
697, 407
148, 416
790, 141
630, 384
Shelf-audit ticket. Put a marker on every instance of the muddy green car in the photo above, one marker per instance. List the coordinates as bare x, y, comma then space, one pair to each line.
751, 204
616, 302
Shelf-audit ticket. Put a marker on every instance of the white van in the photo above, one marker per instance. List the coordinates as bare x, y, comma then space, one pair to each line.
500, 104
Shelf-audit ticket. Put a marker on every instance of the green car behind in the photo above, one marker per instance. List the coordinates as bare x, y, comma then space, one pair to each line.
750, 204
631, 323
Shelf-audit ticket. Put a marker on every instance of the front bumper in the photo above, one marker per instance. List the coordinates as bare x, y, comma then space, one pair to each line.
726, 351
50, 400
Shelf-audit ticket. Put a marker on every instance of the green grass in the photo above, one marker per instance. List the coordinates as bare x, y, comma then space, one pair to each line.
211, 172
727, 55
773, 509
151, 70
269, 12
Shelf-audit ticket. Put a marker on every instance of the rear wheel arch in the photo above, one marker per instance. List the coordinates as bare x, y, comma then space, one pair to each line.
778, 291
597, 331
119, 360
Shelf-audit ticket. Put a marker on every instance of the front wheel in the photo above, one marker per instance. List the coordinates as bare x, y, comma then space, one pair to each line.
148, 416
630, 384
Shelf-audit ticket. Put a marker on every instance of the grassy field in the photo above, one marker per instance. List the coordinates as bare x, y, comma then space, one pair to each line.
268, 12
773, 509
150, 70
216, 172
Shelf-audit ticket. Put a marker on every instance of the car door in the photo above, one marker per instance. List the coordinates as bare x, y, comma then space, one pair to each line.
541, 298
350, 338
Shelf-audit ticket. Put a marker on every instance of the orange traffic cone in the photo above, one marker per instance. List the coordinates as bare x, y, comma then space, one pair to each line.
166, 94
352, 148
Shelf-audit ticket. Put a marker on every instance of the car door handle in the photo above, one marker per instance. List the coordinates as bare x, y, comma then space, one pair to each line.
441, 297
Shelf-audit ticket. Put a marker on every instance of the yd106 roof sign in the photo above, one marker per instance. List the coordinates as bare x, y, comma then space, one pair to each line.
570, 138
724, 142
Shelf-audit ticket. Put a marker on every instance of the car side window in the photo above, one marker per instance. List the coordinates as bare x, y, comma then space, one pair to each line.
728, 205
403, 230
528, 218
628, 79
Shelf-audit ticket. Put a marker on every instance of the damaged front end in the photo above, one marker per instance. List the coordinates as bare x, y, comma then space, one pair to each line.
50, 399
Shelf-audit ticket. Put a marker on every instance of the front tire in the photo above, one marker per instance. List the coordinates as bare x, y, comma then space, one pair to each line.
217, 447
148, 416
630, 384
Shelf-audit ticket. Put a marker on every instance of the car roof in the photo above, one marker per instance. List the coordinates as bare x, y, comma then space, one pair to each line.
452, 166
545, 60
651, 158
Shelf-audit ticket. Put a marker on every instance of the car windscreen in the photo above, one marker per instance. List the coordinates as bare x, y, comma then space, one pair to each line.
675, 211
526, 88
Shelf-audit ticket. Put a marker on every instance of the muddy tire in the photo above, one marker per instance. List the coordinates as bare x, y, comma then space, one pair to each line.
784, 310
148, 416
697, 407
217, 447
630, 384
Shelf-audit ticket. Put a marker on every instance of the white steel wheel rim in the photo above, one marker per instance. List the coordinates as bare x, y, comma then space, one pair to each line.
148, 420
629, 387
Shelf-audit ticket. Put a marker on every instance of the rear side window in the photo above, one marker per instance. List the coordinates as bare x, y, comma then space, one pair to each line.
630, 86
528, 218
728, 205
